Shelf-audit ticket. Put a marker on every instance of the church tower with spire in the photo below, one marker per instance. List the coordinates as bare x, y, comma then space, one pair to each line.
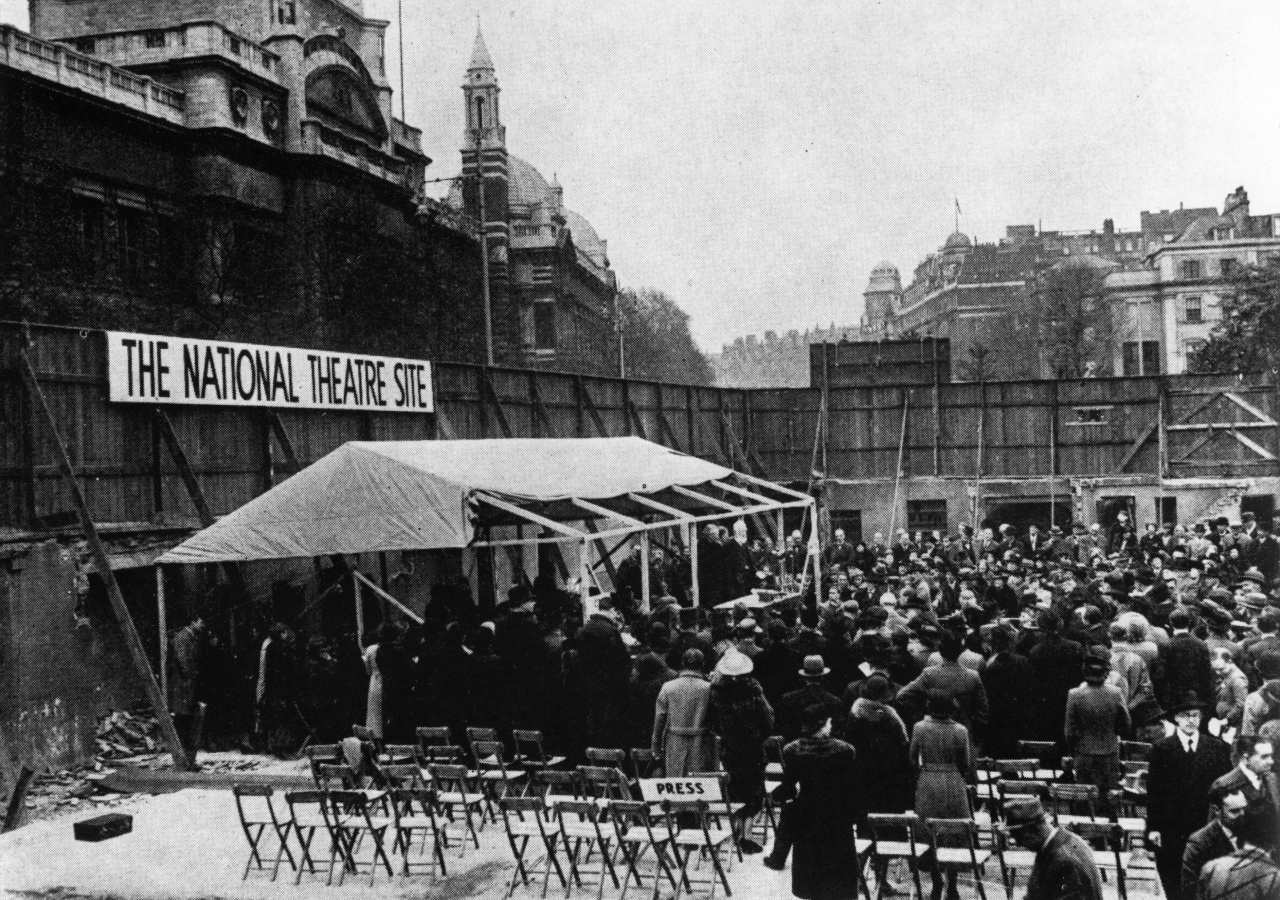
484, 148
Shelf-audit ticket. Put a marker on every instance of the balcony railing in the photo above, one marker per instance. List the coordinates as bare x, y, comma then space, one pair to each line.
191, 39
62, 65
324, 141
406, 135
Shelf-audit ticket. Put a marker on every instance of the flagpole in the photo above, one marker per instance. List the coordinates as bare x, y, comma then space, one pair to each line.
400, 34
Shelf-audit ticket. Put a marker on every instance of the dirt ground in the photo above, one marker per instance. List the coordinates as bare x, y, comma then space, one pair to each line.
189, 844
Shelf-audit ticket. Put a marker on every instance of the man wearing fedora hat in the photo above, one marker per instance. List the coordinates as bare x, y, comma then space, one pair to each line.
1064, 866
1183, 767
811, 693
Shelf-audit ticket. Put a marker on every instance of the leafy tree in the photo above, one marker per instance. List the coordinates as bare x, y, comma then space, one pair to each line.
1069, 319
1247, 338
656, 341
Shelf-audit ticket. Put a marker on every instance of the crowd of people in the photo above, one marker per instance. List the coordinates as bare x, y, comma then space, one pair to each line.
889, 675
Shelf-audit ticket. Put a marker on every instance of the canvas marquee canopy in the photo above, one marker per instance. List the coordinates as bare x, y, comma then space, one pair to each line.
369, 496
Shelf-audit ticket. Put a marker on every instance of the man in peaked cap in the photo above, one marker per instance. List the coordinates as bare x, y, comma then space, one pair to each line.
1064, 865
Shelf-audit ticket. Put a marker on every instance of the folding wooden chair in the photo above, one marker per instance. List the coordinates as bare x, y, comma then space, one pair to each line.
399, 755
437, 737
636, 834
1075, 796
772, 749
1113, 858
1135, 751
969, 857
896, 836
336, 777
701, 838
255, 821
307, 815
317, 754
645, 763
1012, 859
986, 776
1047, 753
579, 823
603, 785
480, 735
721, 809
414, 812
453, 792
1009, 790
404, 777
351, 821
491, 770
552, 786
1017, 769
599, 756
363, 734
524, 818
528, 752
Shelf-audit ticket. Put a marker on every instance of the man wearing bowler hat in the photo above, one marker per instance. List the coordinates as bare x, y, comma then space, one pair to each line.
1064, 865
1184, 767
793, 705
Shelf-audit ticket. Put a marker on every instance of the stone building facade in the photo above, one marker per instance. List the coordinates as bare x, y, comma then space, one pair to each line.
550, 282
1162, 283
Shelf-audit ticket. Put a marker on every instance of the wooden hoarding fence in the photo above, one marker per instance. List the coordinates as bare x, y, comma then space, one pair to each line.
103, 563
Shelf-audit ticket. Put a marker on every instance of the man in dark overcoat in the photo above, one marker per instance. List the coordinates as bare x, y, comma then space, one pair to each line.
1064, 866
1183, 664
1254, 777
1184, 767
1214, 840
1010, 684
1057, 663
793, 705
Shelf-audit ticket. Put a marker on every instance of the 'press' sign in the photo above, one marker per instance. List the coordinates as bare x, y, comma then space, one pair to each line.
146, 368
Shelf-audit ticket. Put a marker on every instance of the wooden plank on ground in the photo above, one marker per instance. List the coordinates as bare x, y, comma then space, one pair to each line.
17, 800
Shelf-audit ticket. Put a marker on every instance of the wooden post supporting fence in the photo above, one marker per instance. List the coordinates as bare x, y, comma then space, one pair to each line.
139, 655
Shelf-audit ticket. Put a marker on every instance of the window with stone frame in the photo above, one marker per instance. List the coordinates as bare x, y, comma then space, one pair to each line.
927, 515
131, 236
1191, 268
544, 325
1192, 311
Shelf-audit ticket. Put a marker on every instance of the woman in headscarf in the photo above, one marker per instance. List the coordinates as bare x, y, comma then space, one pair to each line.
742, 718
944, 764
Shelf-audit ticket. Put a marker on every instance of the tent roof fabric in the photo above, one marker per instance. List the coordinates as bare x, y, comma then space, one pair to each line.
368, 496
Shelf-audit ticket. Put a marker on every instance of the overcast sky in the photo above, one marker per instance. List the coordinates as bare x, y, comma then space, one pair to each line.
755, 160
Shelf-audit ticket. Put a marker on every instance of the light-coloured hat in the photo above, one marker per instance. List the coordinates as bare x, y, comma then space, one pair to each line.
734, 664
814, 667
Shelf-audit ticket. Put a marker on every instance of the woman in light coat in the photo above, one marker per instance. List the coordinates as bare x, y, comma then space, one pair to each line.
680, 733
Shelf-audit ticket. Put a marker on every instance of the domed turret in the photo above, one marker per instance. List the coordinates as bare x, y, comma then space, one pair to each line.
958, 241
884, 277
882, 296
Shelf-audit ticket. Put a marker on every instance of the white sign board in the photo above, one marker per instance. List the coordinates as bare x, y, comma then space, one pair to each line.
146, 368
654, 790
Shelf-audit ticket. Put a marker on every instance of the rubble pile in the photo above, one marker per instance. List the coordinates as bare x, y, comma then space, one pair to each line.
122, 734
124, 739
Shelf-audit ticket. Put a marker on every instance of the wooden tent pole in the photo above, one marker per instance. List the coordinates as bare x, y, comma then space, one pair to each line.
162, 625
897, 475
644, 572
355, 585
103, 563
693, 565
